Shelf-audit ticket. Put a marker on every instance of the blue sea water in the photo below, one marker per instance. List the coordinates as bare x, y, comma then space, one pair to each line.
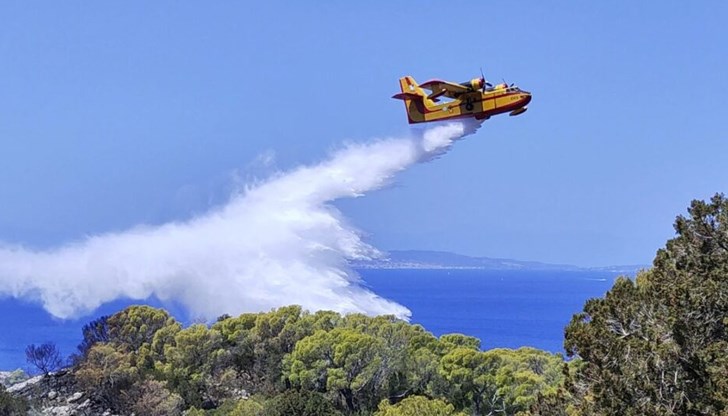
507, 309
503, 308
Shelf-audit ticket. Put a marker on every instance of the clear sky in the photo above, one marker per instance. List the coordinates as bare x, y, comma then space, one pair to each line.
114, 114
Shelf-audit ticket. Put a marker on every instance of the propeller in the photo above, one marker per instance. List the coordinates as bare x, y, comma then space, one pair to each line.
483, 82
506, 84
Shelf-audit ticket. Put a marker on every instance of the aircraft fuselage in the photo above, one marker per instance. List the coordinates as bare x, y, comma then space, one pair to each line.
477, 104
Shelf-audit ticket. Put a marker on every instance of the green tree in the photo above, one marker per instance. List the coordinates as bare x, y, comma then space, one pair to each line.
133, 330
274, 335
343, 362
524, 374
410, 355
237, 339
239, 407
192, 364
460, 340
417, 406
624, 342
657, 346
690, 279
471, 375
500, 380
246, 407
106, 373
299, 403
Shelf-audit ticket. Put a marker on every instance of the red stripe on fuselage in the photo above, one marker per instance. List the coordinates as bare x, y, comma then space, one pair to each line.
482, 114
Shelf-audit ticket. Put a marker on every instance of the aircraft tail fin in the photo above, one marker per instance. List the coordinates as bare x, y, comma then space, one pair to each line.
415, 99
410, 89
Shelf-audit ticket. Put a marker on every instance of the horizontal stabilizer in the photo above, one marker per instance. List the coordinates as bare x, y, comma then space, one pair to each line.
407, 96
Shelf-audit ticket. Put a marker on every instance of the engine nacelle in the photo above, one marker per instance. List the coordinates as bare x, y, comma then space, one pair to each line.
474, 84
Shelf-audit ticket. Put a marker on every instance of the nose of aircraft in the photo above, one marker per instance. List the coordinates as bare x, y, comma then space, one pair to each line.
526, 97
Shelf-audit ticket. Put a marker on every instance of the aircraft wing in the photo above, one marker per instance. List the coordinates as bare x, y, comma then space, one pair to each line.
448, 89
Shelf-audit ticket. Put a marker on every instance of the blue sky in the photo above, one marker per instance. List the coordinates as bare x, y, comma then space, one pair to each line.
114, 115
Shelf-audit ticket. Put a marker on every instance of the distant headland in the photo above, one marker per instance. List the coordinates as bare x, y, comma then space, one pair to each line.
427, 259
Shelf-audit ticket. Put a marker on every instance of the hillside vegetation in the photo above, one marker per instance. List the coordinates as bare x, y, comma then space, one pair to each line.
288, 361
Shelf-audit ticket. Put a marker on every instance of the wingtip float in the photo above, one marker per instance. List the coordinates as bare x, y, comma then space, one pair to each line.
476, 98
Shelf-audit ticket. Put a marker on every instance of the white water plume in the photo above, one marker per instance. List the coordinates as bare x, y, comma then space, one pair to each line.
277, 243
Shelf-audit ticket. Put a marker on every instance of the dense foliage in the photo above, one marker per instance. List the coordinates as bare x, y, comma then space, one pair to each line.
289, 361
659, 345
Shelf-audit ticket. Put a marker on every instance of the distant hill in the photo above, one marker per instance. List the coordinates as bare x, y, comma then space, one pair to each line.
424, 259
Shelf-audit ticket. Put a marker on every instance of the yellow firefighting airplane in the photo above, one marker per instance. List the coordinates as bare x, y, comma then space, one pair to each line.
476, 98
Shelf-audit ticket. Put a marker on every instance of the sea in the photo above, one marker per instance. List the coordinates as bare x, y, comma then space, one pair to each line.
503, 308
